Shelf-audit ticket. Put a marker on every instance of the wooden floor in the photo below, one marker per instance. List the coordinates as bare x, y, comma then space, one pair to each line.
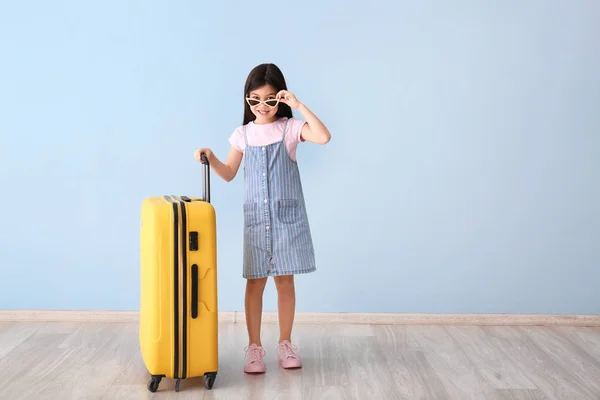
102, 361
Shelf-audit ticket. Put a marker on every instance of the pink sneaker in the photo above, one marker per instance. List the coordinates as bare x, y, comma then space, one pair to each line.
254, 360
287, 356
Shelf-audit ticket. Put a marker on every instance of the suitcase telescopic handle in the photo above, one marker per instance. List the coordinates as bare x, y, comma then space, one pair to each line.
206, 180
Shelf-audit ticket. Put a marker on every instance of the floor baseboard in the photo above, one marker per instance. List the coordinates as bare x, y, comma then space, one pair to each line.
319, 318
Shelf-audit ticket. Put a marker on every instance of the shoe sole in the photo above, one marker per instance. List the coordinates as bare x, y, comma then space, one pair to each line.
281, 365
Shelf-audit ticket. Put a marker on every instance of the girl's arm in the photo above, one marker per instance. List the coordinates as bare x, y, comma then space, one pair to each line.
227, 170
314, 130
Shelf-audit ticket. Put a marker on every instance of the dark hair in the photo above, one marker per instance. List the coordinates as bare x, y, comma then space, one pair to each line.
265, 74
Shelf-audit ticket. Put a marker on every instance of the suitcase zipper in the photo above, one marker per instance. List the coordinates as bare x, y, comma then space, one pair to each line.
180, 286
184, 285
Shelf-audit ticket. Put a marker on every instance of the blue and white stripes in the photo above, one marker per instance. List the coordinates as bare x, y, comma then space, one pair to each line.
277, 238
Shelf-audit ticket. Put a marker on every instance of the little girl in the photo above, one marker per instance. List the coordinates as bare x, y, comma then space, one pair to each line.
277, 238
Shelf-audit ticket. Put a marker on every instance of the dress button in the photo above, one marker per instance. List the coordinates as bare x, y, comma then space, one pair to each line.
266, 201
263, 149
267, 227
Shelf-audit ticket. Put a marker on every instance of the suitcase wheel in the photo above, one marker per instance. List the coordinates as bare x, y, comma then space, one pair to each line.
154, 382
209, 379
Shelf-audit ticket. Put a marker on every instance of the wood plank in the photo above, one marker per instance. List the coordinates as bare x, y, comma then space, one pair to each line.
495, 365
412, 373
12, 334
572, 358
102, 361
322, 318
550, 377
459, 375
522, 394
588, 339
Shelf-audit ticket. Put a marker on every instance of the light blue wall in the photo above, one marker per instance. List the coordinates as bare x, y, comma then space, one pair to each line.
463, 174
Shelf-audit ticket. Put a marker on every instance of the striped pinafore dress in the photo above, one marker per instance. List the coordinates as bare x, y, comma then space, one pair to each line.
277, 237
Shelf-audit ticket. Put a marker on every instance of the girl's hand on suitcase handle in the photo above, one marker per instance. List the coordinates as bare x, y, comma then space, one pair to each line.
203, 152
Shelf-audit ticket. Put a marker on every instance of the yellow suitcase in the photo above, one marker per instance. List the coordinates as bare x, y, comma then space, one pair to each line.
178, 329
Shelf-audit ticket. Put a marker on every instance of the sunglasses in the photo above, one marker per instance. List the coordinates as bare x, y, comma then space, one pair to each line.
255, 102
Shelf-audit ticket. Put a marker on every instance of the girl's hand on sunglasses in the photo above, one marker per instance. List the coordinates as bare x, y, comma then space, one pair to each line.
288, 98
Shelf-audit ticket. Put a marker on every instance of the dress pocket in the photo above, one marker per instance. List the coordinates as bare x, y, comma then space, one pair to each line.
251, 216
287, 211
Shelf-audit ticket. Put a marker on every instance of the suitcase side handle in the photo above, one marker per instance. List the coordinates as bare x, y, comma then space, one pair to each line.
206, 180
194, 291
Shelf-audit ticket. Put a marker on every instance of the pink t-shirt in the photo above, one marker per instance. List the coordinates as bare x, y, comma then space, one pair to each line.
265, 134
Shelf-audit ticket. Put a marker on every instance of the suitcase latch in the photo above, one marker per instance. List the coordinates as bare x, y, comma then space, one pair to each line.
193, 241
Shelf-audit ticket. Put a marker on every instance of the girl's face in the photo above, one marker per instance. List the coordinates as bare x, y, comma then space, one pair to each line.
264, 104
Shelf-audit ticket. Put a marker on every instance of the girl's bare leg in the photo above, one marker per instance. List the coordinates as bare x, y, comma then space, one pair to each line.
254, 304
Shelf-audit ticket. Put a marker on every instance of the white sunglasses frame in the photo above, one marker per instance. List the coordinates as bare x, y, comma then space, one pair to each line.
262, 102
